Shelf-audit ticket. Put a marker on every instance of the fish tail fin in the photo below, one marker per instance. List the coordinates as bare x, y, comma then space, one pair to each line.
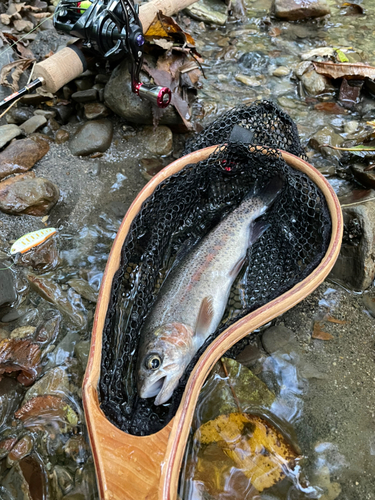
271, 190
268, 193
257, 229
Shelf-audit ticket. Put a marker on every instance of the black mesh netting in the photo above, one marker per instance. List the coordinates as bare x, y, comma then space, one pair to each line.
183, 209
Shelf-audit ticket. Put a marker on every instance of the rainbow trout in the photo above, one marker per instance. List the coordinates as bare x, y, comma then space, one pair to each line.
193, 297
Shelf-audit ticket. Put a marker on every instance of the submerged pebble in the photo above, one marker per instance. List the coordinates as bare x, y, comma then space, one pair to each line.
82, 287
158, 140
281, 71
53, 293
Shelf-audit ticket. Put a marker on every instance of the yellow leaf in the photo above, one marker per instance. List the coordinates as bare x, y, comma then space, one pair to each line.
165, 27
248, 443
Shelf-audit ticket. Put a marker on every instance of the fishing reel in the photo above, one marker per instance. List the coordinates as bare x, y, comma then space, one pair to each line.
110, 29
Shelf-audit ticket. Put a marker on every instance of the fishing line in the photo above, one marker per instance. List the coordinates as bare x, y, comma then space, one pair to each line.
5, 268
27, 34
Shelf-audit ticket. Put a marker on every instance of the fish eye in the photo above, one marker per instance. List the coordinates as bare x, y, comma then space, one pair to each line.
153, 362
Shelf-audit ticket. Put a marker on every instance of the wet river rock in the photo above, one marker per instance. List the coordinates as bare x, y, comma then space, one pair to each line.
364, 174
355, 265
18, 115
293, 10
327, 135
27, 194
8, 294
21, 155
93, 136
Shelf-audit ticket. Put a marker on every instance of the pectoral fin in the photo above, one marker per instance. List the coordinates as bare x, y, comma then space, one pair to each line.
237, 267
205, 315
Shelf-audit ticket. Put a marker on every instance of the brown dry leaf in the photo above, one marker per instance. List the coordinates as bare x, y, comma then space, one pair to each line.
20, 356
23, 26
164, 78
319, 334
15, 69
20, 46
274, 31
247, 442
164, 44
165, 27
347, 70
5, 19
331, 107
46, 408
41, 15
331, 319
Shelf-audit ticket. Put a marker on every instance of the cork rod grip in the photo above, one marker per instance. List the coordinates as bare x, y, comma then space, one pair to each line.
60, 69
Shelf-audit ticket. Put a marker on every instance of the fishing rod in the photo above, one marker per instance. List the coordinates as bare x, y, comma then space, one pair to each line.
110, 29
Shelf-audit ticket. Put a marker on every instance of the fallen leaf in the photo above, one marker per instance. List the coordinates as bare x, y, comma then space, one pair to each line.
330, 107
166, 27
352, 8
347, 70
164, 44
331, 319
5, 19
20, 356
341, 56
350, 94
23, 26
47, 409
319, 334
274, 31
15, 70
247, 443
164, 78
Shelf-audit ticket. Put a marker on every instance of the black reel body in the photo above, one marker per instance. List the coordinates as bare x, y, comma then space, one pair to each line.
107, 28
111, 29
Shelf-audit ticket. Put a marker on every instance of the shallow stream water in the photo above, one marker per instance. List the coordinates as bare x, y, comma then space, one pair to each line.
323, 390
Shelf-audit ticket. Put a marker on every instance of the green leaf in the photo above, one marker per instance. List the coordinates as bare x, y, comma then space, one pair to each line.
341, 56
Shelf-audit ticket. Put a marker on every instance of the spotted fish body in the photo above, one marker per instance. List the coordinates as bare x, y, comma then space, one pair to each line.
193, 298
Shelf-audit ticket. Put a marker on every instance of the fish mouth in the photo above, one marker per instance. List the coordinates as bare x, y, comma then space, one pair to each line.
153, 389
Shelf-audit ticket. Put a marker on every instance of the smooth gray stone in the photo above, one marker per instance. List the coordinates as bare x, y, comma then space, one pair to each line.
7, 133
93, 136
